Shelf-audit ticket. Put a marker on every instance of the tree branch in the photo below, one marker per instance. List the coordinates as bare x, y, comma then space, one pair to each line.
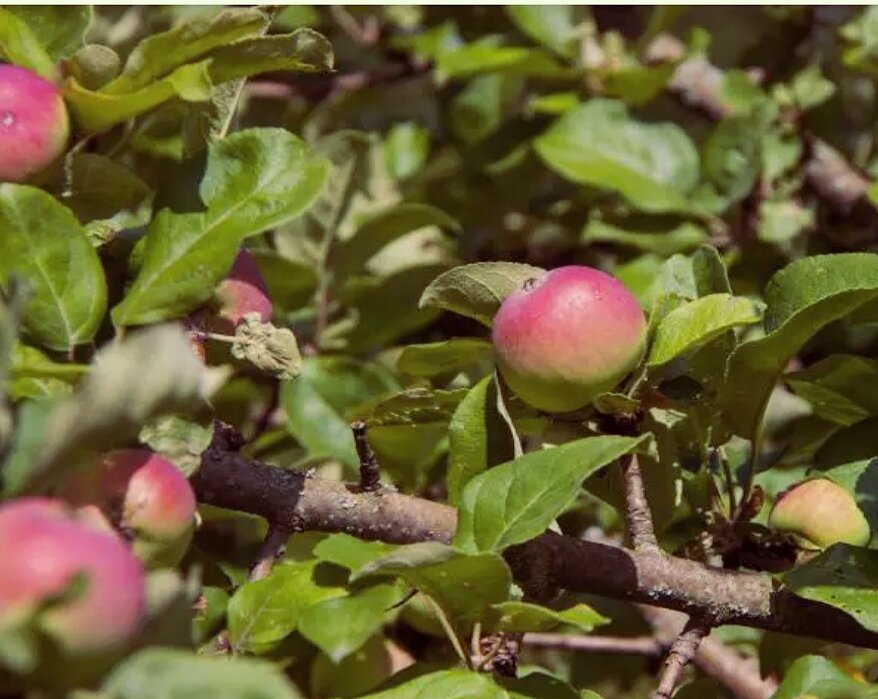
370, 471
681, 654
542, 566
638, 516
272, 548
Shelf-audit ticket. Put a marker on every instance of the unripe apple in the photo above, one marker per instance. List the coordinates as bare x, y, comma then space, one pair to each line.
243, 291
34, 126
46, 553
820, 513
145, 496
568, 336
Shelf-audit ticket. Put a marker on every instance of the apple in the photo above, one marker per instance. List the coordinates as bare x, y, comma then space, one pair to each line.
34, 126
243, 291
820, 513
144, 496
82, 585
567, 336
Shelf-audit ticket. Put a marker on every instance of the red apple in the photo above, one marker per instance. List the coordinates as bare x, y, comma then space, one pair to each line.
145, 496
34, 126
820, 513
243, 291
46, 553
568, 336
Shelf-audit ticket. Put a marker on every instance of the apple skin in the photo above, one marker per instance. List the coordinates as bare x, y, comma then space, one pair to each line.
34, 125
568, 336
145, 496
820, 513
44, 548
243, 291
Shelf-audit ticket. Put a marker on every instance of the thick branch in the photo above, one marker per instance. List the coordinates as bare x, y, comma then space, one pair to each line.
548, 563
681, 654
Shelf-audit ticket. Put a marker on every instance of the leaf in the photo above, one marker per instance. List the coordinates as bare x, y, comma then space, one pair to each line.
316, 404
517, 501
341, 625
513, 616
448, 684
654, 166
264, 612
732, 156
477, 290
538, 685
303, 50
34, 375
291, 283
843, 577
21, 46
255, 180
350, 552
269, 349
164, 673
819, 677
44, 244
58, 28
479, 437
462, 584
696, 323
151, 373
411, 407
180, 440
485, 56
160, 54
96, 111
550, 25
801, 299
383, 227
842, 388
443, 357
406, 148
667, 241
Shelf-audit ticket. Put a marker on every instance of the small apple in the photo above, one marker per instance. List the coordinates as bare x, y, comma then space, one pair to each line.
243, 291
568, 336
820, 513
34, 126
146, 497
82, 585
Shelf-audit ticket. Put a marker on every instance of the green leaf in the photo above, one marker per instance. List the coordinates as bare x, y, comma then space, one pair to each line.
479, 437
819, 677
852, 443
58, 28
516, 616
665, 241
406, 148
448, 684
538, 685
462, 584
151, 373
164, 673
341, 625
98, 111
843, 577
303, 50
443, 357
255, 180
21, 46
477, 290
732, 157
654, 166
517, 501
553, 26
181, 440
44, 244
842, 388
291, 283
696, 323
264, 612
160, 54
411, 407
34, 375
350, 552
382, 228
485, 56
317, 403
810, 89
801, 298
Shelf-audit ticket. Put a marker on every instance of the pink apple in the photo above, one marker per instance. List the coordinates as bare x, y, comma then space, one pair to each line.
821, 513
145, 496
243, 291
45, 553
568, 336
34, 126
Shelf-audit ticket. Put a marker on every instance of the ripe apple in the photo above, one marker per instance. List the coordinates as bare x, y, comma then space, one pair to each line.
820, 513
82, 585
568, 336
34, 126
146, 497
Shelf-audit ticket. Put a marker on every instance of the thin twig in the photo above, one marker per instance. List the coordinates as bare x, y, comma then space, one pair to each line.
638, 516
272, 548
370, 469
367, 34
630, 645
681, 654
